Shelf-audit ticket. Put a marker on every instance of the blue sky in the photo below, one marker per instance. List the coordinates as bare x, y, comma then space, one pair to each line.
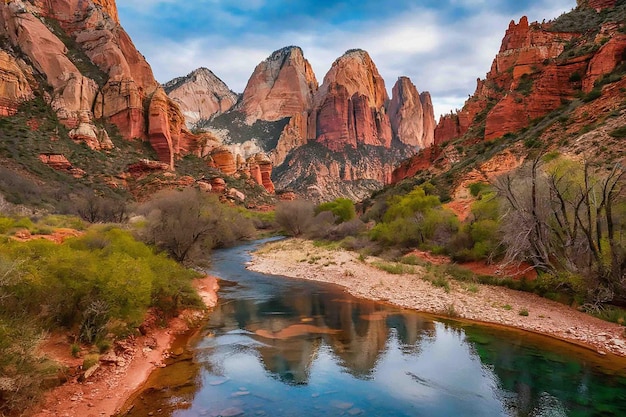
442, 45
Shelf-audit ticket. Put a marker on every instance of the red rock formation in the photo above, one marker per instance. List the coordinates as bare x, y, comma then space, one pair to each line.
410, 123
596, 4
55, 161
224, 160
159, 124
410, 167
146, 165
218, 185
265, 168
350, 105
14, 84
429, 118
610, 55
293, 136
200, 95
281, 86
73, 94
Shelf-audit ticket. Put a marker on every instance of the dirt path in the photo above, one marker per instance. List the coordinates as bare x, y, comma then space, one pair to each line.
483, 303
121, 371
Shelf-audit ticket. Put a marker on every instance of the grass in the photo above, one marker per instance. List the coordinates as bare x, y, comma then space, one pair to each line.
523, 312
394, 268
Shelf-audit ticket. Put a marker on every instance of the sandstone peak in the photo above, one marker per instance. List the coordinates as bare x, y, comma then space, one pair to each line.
412, 114
355, 70
350, 106
281, 86
200, 95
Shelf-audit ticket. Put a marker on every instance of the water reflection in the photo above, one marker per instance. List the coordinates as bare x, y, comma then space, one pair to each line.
282, 347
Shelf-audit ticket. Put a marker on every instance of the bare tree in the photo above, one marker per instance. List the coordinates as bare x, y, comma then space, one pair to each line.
184, 222
295, 217
561, 217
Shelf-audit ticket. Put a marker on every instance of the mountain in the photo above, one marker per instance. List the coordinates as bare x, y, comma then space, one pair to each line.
72, 80
558, 86
335, 140
200, 95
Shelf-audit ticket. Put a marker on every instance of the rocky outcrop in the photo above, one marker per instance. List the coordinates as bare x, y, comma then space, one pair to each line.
411, 115
281, 86
536, 70
596, 4
200, 95
15, 82
350, 106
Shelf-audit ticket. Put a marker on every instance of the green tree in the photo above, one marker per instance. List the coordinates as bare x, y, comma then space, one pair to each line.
342, 208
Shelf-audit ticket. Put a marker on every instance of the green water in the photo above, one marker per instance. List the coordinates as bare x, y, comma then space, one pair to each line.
279, 347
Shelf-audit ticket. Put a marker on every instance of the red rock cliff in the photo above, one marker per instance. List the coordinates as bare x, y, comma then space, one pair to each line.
411, 115
532, 75
280, 86
350, 105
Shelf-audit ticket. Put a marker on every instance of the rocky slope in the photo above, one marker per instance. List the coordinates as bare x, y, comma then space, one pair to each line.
556, 85
350, 120
73, 56
539, 67
200, 95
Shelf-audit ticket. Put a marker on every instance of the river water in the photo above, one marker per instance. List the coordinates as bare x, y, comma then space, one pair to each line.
283, 347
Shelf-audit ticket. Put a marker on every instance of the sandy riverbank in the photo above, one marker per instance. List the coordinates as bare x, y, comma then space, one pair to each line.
301, 259
122, 371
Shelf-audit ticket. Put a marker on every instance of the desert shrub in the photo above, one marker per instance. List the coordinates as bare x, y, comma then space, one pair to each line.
477, 187
188, 223
295, 217
342, 208
415, 219
619, 133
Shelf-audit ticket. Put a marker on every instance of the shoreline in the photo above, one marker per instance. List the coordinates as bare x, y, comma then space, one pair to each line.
122, 371
475, 303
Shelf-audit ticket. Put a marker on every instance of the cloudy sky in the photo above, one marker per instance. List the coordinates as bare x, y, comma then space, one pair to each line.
442, 45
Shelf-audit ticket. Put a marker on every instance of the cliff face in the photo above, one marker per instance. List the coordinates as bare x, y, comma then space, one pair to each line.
76, 56
538, 68
281, 86
350, 106
200, 95
283, 113
412, 115
555, 84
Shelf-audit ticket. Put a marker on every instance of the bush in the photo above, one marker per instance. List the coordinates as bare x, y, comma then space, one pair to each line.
342, 208
188, 223
295, 217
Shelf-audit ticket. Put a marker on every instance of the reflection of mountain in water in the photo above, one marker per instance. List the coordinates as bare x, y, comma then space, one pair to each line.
291, 326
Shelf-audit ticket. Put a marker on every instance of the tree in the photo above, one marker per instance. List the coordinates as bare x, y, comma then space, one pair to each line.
342, 208
568, 218
295, 217
183, 222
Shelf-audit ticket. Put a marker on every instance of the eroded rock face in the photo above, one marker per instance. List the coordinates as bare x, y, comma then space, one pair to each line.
350, 106
531, 76
411, 115
14, 84
281, 86
597, 4
200, 95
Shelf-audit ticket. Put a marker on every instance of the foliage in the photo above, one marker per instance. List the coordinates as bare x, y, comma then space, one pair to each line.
567, 217
186, 223
85, 285
415, 219
342, 208
619, 133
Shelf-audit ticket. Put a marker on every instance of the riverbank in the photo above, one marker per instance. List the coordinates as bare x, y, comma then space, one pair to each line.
298, 258
123, 370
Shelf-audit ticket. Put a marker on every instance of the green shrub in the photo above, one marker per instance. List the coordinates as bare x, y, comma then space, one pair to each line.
394, 268
342, 208
592, 95
523, 312
619, 133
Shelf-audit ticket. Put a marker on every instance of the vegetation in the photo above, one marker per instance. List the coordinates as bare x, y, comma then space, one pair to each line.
97, 286
189, 223
342, 208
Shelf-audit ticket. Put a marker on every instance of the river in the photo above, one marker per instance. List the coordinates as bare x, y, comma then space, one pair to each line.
281, 347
